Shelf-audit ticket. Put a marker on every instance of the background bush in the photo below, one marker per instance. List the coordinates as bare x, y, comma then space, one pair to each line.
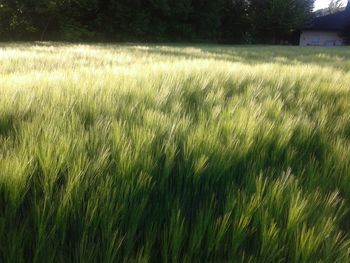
230, 21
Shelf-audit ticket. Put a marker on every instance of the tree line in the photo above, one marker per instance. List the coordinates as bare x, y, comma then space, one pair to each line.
231, 21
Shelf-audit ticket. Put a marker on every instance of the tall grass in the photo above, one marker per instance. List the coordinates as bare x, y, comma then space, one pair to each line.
133, 153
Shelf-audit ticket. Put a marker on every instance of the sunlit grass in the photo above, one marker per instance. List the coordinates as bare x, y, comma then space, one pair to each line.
135, 153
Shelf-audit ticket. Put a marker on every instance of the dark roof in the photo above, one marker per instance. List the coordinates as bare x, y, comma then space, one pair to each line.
333, 22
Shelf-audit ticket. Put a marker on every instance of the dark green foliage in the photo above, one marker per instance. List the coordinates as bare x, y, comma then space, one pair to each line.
235, 24
274, 20
152, 20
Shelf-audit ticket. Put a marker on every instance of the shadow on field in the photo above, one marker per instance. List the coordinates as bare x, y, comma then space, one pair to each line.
337, 58
332, 57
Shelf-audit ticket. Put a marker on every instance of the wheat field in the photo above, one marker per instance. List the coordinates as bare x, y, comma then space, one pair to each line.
174, 153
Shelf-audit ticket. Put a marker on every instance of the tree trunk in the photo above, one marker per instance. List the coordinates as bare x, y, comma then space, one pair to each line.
44, 30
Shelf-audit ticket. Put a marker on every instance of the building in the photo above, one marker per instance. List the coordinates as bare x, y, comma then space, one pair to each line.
326, 30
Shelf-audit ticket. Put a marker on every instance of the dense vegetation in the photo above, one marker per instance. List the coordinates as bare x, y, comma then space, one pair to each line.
174, 154
153, 20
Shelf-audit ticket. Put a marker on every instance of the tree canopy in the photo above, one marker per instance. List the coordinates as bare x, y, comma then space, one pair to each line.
232, 21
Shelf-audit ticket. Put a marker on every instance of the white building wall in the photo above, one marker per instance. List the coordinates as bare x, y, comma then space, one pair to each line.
320, 38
